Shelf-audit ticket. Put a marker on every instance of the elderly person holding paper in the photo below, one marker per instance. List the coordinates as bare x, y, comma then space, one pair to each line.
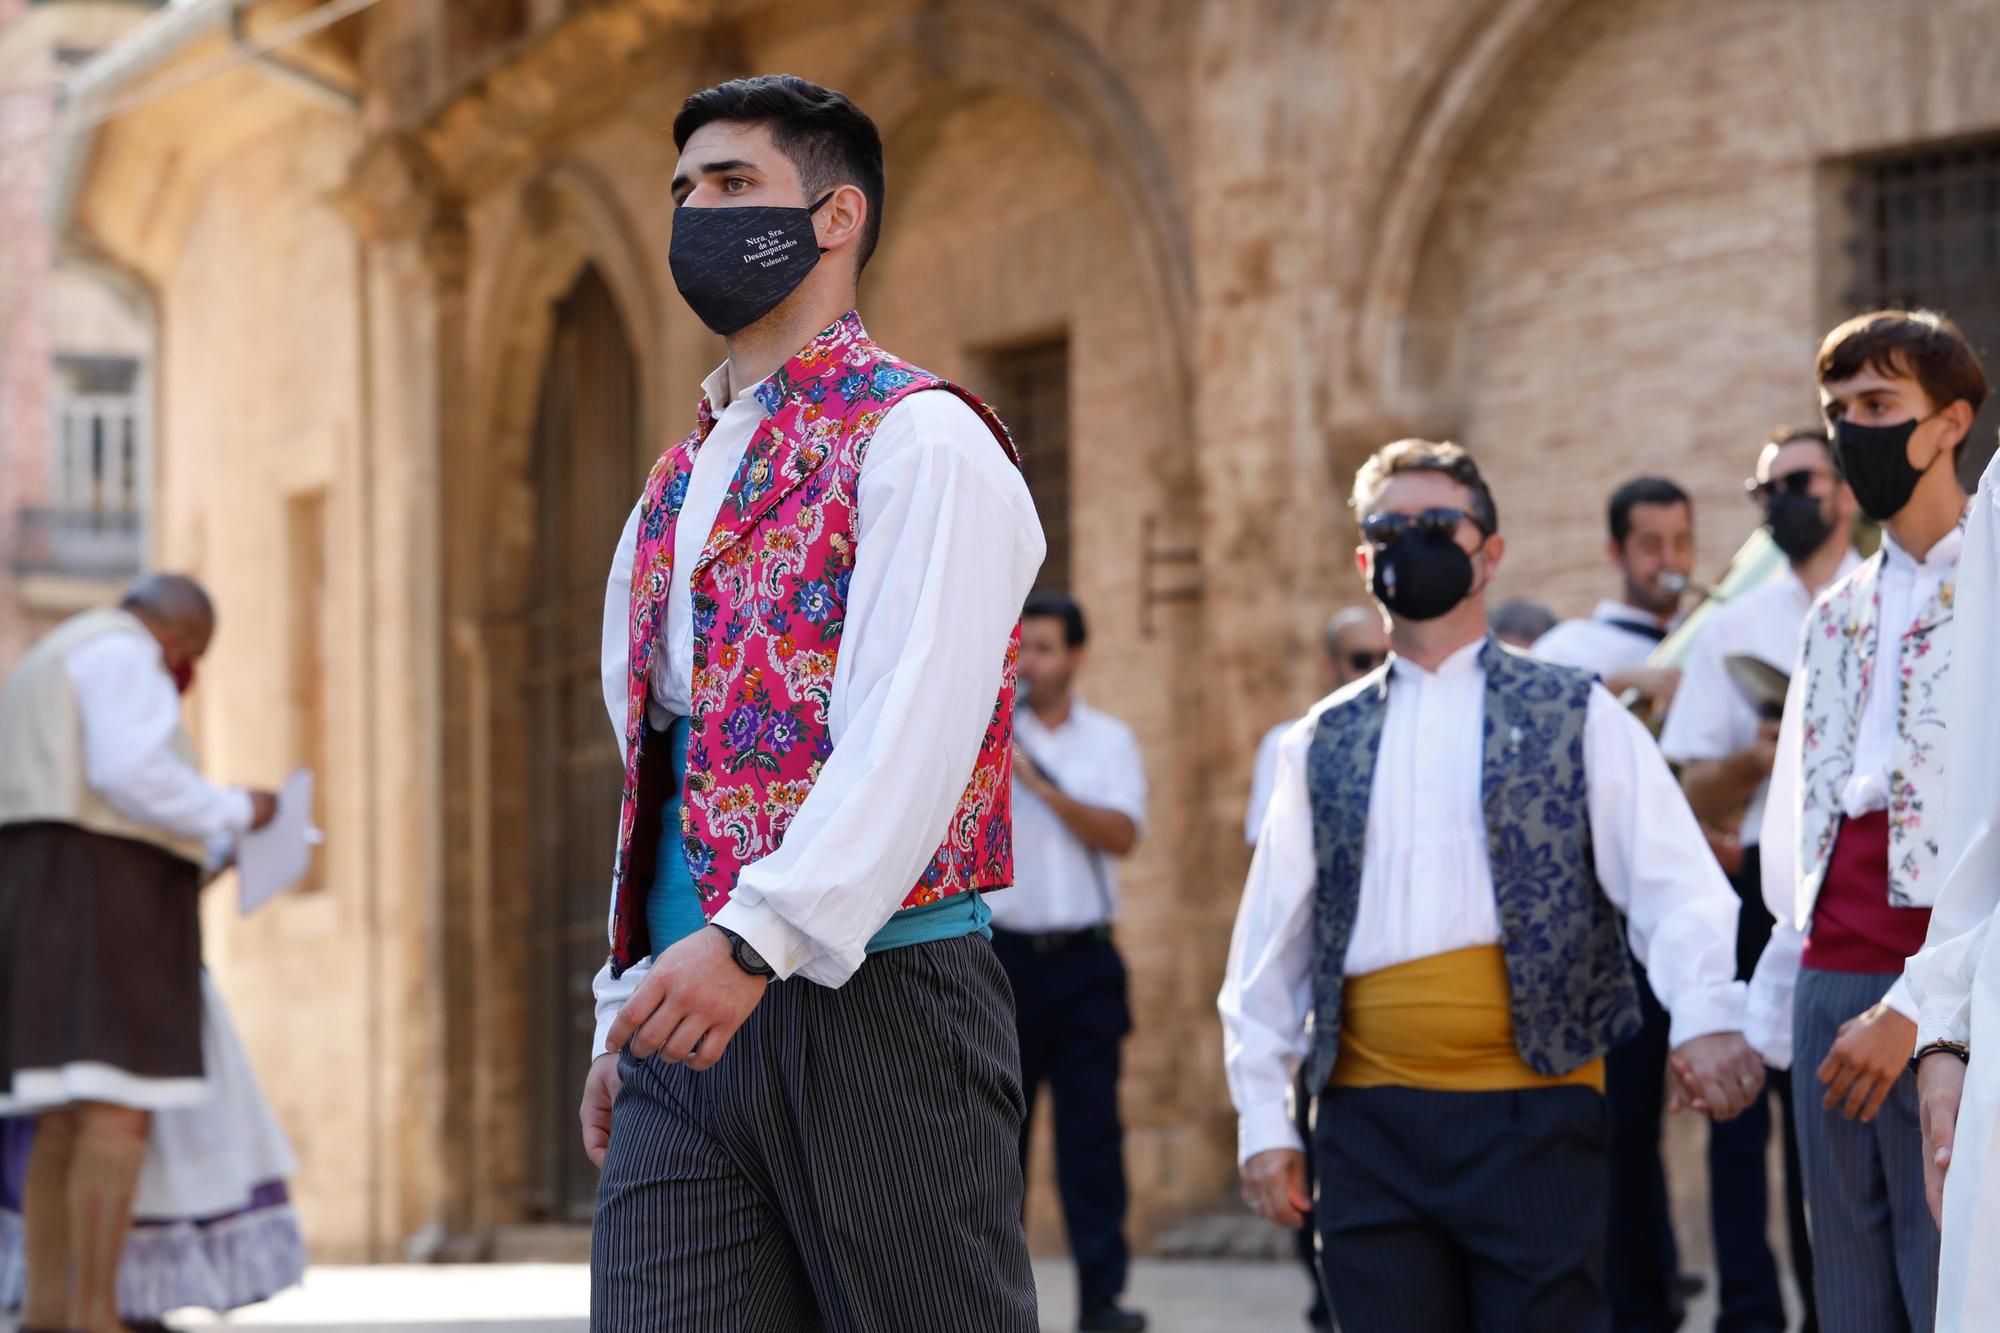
105, 829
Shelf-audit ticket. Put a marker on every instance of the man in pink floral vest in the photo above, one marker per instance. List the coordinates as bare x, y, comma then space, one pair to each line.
806, 1092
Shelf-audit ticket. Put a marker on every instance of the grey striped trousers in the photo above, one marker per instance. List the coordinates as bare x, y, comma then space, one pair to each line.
1875, 1248
852, 1163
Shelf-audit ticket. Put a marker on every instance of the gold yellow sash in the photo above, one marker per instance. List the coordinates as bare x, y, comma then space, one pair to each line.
1445, 1023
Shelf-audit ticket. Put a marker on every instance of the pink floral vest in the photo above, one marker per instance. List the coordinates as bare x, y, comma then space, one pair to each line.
770, 596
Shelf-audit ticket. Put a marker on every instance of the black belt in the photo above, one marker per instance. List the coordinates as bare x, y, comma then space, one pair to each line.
1054, 941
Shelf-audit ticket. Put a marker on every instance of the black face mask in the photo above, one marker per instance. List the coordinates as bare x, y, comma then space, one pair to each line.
1421, 577
734, 265
1876, 461
1798, 524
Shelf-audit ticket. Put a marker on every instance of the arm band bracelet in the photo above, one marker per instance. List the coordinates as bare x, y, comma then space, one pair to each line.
1957, 1048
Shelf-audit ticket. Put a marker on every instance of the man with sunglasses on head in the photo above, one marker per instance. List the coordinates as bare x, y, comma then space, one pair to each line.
1852, 820
1725, 745
1435, 928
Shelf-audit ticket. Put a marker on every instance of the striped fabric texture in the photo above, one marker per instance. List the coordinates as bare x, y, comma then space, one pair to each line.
853, 1163
1875, 1247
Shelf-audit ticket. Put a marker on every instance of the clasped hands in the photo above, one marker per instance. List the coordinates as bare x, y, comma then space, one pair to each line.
1719, 1075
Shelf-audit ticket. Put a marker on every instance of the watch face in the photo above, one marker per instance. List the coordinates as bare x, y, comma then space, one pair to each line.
748, 958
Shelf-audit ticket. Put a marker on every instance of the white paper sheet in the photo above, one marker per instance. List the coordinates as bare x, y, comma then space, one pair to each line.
271, 859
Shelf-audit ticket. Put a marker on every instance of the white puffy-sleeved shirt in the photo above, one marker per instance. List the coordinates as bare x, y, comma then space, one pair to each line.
1711, 718
131, 712
1427, 887
949, 547
1614, 638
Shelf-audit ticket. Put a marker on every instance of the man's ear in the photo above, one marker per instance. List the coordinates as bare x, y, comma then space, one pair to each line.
843, 219
1958, 417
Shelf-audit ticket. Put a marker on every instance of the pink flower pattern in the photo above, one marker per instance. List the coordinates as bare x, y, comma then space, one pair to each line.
770, 598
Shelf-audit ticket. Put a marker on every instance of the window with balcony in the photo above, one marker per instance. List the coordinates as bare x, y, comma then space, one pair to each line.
89, 524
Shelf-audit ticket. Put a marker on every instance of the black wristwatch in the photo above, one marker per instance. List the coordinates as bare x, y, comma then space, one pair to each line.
746, 957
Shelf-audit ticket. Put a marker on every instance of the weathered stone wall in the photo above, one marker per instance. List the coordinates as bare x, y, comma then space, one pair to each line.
1586, 237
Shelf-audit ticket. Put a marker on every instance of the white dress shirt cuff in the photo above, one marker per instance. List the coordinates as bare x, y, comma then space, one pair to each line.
1262, 1128
1708, 1011
1945, 1022
238, 811
610, 995
1767, 1025
1901, 1000
784, 946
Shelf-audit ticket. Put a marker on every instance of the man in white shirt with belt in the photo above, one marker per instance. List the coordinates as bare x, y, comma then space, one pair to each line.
1459, 848
1079, 806
1724, 745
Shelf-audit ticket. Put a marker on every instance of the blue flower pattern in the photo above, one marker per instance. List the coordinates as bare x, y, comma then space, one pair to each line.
1573, 993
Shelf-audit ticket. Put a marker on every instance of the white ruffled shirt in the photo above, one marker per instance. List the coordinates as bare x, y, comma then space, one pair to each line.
1427, 886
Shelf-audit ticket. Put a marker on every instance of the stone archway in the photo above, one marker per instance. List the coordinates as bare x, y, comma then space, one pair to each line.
931, 61
569, 333
995, 285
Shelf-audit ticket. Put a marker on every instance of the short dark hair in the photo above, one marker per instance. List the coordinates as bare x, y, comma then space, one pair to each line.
1642, 491
1440, 456
1922, 345
1059, 606
828, 139
1816, 433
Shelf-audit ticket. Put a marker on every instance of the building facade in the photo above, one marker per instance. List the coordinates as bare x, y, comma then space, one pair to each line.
75, 351
417, 344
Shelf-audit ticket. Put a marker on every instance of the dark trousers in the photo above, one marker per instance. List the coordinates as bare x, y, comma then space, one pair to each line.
850, 1164
1643, 1262
1071, 1017
1738, 1182
1873, 1235
1442, 1212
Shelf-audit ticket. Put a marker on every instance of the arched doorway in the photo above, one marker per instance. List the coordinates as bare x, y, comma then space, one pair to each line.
587, 459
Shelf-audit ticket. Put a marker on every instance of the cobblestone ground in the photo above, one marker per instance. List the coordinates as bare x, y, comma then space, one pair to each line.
1186, 1296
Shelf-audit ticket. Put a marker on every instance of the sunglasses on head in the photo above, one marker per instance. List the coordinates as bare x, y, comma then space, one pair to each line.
1790, 483
1384, 530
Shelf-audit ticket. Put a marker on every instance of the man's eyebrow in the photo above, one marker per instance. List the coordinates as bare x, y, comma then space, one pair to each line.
713, 168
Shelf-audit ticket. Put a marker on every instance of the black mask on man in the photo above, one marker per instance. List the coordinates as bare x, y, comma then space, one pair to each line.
734, 265
1876, 461
1798, 524
1422, 577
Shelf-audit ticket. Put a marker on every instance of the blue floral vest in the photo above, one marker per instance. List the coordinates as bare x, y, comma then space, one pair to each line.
1570, 977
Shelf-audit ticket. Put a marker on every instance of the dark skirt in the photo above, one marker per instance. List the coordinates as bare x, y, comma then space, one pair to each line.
100, 969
